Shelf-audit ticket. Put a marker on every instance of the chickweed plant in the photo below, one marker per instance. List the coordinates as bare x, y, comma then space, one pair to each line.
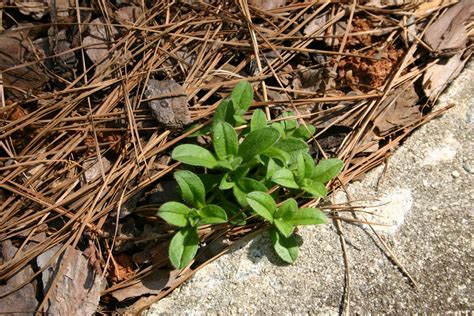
232, 181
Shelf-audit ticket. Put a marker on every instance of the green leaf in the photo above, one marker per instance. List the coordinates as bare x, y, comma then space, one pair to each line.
242, 171
293, 146
309, 166
290, 124
316, 189
225, 140
263, 204
194, 155
285, 228
212, 214
239, 120
225, 184
271, 168
258, 121
244, 186
306, 182
249, 185
236, 162
225, 164
193, 217
278, 154
287, 209
300, 168
308, 216
279, 127
284, 177
192, 188
285, 247
183, 247
257, 142
242, 96
327, 169
174, 213
304, 132
224, 113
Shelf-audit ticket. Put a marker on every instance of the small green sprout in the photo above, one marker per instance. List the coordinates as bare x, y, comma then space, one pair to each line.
239, 171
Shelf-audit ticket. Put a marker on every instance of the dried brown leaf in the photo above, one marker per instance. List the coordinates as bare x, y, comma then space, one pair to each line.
448, 34
152, 284
16, 50
397, 110
99, 42
439, 75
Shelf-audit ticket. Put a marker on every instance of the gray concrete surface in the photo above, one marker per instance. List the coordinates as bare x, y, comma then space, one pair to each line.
427, 194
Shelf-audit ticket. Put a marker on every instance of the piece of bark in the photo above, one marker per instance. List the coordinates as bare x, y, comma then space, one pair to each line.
49, 267
60, 46
93, 168
167, 102
448, 34
315, 24
315, 80
128, 15
22, 301
397, 110
37, 9
39, 235
438, 76
99, 42
385, 3
140, 305
332, 34
267, 4
15, 50
428, 7
61, 11
77, 290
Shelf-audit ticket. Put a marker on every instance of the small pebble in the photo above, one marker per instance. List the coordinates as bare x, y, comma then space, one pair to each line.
468, 168
455, 174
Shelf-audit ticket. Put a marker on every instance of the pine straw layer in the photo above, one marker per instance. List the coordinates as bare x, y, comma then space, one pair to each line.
100, 116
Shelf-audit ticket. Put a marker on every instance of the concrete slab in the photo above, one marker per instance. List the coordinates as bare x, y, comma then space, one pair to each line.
428, 190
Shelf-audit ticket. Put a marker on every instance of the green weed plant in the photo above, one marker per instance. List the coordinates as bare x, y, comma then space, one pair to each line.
235, 177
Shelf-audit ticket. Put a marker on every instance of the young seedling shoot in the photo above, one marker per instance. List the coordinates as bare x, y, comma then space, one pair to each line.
232, 179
